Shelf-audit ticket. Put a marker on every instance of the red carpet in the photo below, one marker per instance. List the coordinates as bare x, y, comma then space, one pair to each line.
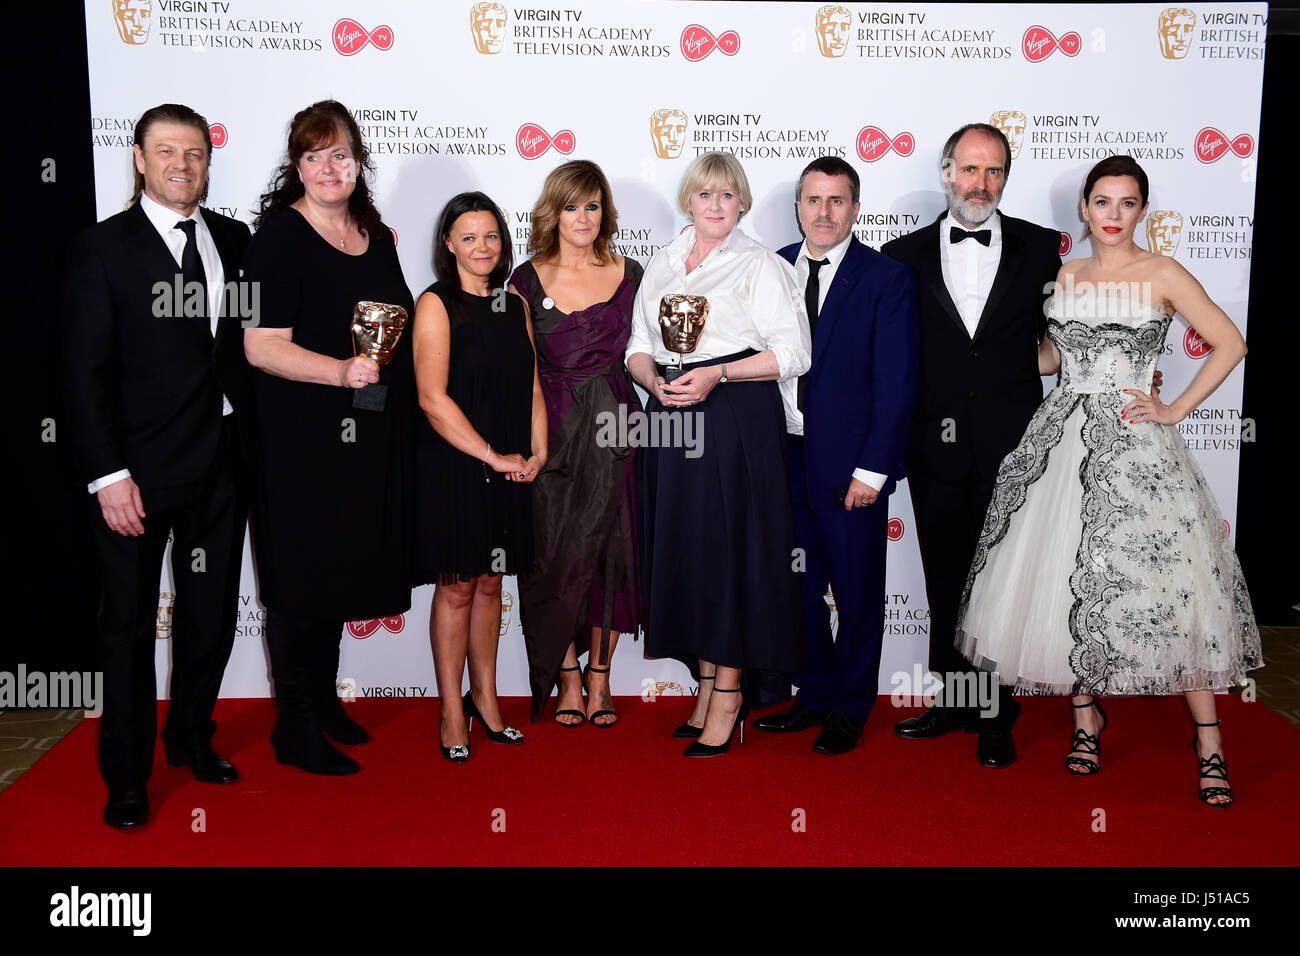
627, 796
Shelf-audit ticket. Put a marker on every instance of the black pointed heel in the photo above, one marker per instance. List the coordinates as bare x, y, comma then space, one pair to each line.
1216, 768
1086, 743
569, 712
697, 749
688, 731
506, 735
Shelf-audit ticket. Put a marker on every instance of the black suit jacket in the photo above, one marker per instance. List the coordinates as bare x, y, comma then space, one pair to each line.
142, 390
978, 393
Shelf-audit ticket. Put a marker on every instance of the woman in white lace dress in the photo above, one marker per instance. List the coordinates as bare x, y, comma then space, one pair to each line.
1102, 569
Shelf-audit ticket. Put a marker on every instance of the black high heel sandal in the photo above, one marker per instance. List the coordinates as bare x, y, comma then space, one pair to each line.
697, 749
569, 712
1086, 743
1215, 767
456, 753
600, 713
688, 731
506, 735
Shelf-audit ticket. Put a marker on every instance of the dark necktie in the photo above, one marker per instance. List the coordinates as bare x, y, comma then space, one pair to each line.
983, 236
811, 295
192, 264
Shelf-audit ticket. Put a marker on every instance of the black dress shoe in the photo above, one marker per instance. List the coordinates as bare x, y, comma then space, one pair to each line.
205, 763
996, 748
936, 722
305, 747
126, 809
792, 721
839, 735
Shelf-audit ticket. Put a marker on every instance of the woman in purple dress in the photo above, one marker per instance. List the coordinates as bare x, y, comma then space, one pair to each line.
584, 590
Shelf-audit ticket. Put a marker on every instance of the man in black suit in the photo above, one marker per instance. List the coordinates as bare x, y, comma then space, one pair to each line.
153, 371
982, 279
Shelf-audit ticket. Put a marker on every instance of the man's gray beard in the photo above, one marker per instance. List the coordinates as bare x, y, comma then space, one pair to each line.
967, 212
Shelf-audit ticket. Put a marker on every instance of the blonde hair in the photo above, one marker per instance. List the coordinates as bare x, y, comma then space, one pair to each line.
718, 169
573, 182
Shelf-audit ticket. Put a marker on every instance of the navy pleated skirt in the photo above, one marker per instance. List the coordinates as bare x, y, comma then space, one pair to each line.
717, 534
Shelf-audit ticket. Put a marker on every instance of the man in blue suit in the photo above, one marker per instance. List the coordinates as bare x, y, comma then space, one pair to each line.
847, 446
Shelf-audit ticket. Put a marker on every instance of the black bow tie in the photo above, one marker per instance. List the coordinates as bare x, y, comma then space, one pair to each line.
982, 237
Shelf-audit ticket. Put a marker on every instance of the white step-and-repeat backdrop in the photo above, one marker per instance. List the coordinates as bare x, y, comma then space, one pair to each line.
460, 95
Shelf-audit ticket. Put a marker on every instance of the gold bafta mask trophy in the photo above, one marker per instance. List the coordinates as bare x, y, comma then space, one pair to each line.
681, 323
376, 327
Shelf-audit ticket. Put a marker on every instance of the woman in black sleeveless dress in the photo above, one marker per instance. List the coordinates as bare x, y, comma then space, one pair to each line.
482, 446
332, 505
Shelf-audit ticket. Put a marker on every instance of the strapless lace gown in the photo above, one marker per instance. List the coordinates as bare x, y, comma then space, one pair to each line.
1102, 567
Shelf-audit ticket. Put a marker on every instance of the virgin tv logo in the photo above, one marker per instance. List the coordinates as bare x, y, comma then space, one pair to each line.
1066, 243
874, 143
698, 42
351, 37
532, 141
220, 135
1212, 145
1195, 346
894, 529
1038, 43
363, 629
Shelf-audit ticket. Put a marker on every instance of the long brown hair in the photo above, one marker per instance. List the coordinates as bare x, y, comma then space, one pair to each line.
167, 113
311, 129
572, 182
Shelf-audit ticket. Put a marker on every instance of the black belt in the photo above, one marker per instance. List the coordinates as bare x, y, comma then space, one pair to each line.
687, 366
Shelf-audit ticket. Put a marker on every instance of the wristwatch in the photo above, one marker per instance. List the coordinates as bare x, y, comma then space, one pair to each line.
724, 373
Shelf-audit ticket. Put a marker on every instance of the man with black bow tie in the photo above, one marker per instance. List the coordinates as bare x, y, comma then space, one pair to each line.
982, 279
153, 372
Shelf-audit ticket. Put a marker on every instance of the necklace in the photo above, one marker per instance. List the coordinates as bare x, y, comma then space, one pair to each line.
343, 239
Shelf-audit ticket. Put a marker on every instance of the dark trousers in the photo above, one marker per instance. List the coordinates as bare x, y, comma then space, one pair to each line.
207, 518
845, 550
304, 668
950, 513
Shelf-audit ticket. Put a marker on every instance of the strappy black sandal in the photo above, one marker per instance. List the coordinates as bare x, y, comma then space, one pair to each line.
1215, 767
568, 712
599, 713
1086, 743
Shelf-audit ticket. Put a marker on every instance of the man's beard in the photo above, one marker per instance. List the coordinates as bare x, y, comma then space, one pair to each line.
974, 213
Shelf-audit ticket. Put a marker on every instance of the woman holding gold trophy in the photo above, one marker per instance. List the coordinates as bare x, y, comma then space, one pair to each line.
333, 423
717, 323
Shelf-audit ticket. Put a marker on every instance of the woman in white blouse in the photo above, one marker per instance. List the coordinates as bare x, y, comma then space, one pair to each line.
717, 531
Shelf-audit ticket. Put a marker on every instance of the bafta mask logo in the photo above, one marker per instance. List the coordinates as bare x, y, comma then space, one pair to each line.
833, 22
163, 625
132, 20
487, 24
507, 608
668, 132
1174, 29
1012, 124
835, 612
681, 321
346, 688
376, 327
1163, 229
669, 688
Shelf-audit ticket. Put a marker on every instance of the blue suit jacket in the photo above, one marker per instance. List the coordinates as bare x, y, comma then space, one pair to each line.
861, 388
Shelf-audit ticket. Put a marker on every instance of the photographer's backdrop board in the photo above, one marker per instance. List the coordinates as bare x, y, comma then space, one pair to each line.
460, 95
